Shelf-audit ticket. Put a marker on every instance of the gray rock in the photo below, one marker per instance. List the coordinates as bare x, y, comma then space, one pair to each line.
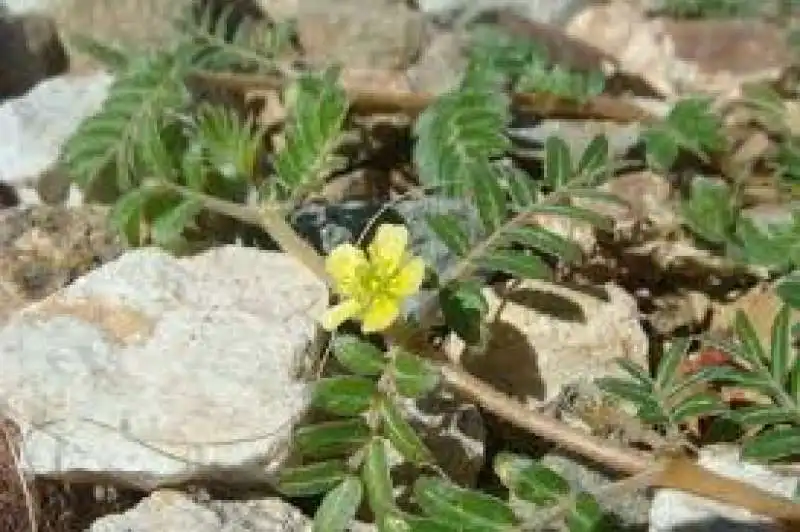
675, 511
154, 370
548, 11
36, 125
171, 511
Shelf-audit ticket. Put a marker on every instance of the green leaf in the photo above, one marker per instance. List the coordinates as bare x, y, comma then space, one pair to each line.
522, 189
464, 307
358, 356
230, 145
696, 126
667, 370
529, 480
661, 150
557, 162
127, 212
331, 438
773, 444
586, 515
413, 376
765, 415
576, 213
344, 396
545, 241
788, 289
636, 371
515, 263
458, 134
449, 230
744, 379
313, 479
699, 405
339, 507
103, 147
750, 345
630, 391
489, 197
426, 524
780, 346
402, 435
169, 226
462, 508
594, 162
709, 211
314, 132
377, 478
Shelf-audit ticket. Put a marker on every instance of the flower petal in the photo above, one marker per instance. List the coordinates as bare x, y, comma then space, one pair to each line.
409, 278
343, 264
338, 314
388, 247
380, 314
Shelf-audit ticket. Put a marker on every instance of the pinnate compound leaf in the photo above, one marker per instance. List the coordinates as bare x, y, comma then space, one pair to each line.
312, 479
104, 145
377, 478
773, 444
331, 438
314, 131
458, 134
402, 435
460, 507
413, 376
339, 507
344, 396
358, 356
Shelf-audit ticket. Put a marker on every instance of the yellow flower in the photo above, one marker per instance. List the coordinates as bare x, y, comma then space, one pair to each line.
373, 285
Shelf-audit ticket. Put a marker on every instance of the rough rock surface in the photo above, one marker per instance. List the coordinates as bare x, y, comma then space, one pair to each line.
674, 511
544, 336
153, 369
170, 511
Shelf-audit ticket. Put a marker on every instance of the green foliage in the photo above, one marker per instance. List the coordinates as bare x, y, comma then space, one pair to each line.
712, 214
710, 8
526, 64
773, 373
668, 399
318, 109
691, 126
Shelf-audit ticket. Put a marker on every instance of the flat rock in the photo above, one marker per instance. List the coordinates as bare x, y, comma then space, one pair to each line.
172, 511
153, 370
678, 56
675, 511
544, 336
